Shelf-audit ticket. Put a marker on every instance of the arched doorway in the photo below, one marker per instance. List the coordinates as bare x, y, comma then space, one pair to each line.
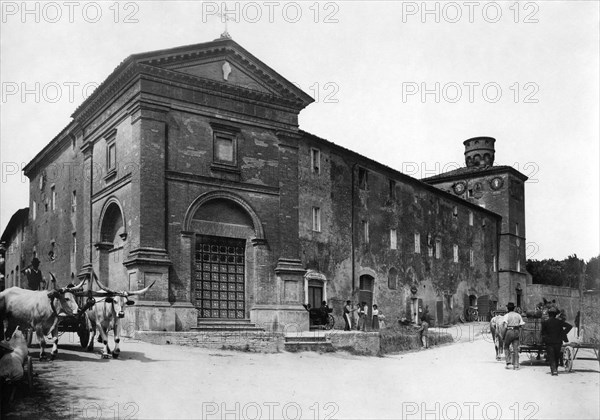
111, 270
223, 257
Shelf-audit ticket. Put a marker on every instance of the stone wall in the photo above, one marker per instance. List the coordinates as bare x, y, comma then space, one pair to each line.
567, 298
590, 316
253, 341
363, 343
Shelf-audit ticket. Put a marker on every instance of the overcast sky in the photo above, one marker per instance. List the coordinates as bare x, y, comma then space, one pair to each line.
524, 73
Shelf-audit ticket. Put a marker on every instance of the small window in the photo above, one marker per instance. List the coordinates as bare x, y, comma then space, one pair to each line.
392, 189
316, 219
74, 202
33, 210
224, 149
42, 181
438, 248
393, 239
363, 181
52, 198
315, 161
365, 225
455, 248
471, 258
494, 264
73, 142
111, 156
455, 211
517, 229
417, 243
518, 265
471, 218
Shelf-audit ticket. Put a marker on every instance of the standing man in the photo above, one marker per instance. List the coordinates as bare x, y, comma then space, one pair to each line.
513, 323
424, 329
34, 275
553, 331
347, 311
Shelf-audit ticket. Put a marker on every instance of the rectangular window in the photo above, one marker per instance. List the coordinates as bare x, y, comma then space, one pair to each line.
494, 264
365, 225
33, 210
471, 258
224, 149
392, 189
438, 248
518, 265
315, 161
430, 250
363, 181
417, 243
393, 239
316, 219
111, 156
470, 218
52, 198
517, 229
74, 202
455, 253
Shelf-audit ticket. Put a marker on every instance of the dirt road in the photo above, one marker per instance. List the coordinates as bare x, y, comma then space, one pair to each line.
457, 381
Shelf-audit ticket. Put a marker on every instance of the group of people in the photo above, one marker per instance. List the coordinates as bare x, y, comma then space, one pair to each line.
357, 317
554, 332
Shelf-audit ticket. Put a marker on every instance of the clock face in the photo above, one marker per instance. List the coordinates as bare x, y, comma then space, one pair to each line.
496, 183
459, 188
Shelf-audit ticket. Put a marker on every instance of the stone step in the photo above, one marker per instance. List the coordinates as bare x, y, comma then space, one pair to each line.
226, 325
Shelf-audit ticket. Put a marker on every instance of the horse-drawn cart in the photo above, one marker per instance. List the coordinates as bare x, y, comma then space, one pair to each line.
530, 338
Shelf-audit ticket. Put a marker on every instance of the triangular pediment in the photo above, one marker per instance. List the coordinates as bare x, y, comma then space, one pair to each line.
227, 64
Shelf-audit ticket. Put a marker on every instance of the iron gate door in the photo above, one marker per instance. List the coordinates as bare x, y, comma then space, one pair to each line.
220, 279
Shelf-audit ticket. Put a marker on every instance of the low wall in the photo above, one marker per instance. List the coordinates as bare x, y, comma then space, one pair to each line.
356, 342
590, 317
253, 341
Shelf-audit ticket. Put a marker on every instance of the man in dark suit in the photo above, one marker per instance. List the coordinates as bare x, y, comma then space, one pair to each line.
553, 331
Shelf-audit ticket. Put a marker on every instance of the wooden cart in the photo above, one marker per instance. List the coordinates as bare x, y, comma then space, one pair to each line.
571, 351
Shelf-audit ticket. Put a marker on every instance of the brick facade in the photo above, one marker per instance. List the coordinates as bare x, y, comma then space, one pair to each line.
198, 180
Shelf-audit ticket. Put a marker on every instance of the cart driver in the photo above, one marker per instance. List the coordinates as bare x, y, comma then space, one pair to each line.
35, 280
513, 328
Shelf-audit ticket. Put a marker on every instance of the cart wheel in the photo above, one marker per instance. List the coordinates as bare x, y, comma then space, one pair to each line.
568, 359
30, 373
330, 322
83, 332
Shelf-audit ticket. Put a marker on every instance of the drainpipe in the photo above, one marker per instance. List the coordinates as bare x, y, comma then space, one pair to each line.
352, 245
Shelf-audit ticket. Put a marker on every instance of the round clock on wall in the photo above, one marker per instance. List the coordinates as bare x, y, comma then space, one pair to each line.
496, 183
459, 188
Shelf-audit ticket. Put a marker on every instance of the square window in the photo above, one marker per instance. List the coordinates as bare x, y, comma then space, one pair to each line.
224, 149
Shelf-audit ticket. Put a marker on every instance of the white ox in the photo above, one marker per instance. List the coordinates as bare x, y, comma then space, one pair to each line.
106, 313
37, 309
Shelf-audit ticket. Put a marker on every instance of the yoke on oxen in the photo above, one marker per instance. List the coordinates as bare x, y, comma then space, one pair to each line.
106, 312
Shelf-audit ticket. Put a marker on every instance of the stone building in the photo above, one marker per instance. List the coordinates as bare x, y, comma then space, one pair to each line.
16, 252
186, 168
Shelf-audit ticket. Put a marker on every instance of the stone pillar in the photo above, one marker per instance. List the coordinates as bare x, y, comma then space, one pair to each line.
86, 237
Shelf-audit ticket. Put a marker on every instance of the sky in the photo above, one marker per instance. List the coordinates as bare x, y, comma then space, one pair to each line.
403, 83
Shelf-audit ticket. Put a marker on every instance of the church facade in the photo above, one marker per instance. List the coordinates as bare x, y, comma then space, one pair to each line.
186, 168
